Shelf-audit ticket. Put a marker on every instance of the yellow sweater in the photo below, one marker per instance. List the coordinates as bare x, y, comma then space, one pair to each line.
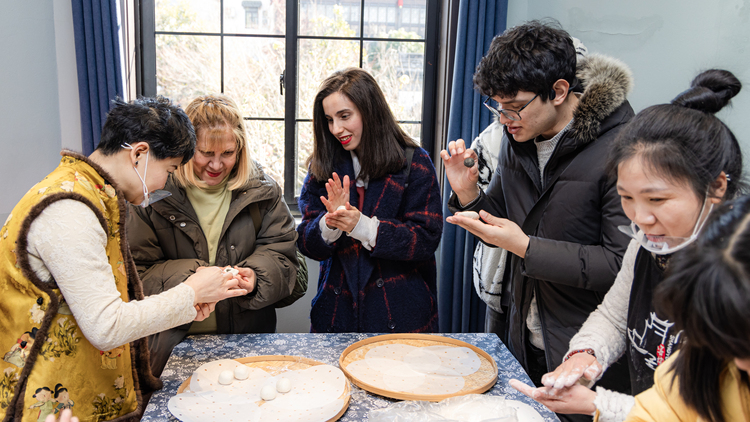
663, 402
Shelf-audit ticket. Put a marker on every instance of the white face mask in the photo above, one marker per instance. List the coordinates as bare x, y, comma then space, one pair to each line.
666, 245
148, 198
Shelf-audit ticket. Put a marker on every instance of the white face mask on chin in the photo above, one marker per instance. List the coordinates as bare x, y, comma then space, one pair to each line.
148, 198
666, 245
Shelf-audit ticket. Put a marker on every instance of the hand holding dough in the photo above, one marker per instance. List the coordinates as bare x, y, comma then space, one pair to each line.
468, 214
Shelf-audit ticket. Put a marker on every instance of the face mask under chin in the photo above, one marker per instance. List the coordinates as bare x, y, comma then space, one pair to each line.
665, 245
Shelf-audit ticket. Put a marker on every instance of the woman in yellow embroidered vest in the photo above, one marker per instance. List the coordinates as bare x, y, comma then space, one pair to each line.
67, 277
707, 296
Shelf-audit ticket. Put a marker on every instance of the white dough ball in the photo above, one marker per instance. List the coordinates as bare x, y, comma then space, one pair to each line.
341, 207
283, 385
226, 377
268, 393
469, 214
241, 372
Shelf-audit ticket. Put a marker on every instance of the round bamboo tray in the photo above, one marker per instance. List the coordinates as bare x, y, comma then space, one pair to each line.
275, 364
476, 383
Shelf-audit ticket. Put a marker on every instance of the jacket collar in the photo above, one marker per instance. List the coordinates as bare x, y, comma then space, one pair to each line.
99, 169
256, 189
607, 83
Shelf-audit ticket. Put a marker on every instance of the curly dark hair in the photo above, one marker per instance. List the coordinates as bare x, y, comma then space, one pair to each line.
529, 57
156, 121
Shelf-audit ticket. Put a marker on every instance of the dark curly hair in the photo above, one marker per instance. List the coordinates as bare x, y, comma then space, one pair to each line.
529, 57
156, 121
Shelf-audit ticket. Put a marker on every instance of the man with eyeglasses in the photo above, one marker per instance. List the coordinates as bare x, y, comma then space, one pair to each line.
549, 203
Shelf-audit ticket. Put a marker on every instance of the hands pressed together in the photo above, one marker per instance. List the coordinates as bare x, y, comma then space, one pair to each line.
341, 214
213, 284
495, 231
566, 390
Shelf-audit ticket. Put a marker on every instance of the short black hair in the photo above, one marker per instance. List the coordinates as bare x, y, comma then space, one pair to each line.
529, 57
40, 389
156, 121
59, 389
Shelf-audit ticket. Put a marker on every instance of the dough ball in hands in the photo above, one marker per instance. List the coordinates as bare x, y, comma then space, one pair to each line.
468, 214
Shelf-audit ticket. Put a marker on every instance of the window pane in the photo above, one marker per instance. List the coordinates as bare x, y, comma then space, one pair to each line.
399, 68
266, 145
304, 150
339, 20
392, 21
317, 59
187, 15
251, 74
254, 17
415, 131
187, 66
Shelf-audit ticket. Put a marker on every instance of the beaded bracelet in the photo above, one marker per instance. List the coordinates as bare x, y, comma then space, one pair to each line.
589, 351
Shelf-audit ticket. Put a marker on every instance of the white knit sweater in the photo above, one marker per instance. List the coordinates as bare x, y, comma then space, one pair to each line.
605, 332
67, 243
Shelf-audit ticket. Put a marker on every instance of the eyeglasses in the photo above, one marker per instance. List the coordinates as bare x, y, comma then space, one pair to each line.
514, 115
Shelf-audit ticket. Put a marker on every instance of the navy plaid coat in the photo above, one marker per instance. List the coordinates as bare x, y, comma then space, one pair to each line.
393, 287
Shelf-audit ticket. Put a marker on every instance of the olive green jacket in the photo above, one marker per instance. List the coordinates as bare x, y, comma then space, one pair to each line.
168, 244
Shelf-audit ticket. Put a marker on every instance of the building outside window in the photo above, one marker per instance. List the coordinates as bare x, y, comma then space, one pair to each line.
251, 13
249, 49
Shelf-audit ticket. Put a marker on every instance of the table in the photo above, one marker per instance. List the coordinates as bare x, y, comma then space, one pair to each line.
197, 350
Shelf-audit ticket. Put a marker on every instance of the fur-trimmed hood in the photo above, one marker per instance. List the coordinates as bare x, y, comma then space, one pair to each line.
607, 83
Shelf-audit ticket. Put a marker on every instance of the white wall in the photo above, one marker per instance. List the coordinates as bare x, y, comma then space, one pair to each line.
34, 116
665, 42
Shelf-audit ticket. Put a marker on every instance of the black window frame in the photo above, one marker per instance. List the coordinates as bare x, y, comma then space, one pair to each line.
146, 78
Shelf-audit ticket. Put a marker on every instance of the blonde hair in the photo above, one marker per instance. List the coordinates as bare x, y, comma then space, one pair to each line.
212, 115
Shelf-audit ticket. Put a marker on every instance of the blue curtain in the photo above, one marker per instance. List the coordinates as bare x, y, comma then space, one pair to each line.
98, 64
479, 21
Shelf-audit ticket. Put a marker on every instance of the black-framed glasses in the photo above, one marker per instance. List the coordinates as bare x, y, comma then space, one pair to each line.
514, 115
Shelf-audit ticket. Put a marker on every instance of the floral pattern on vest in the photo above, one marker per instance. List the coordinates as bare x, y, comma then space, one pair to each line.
48, 364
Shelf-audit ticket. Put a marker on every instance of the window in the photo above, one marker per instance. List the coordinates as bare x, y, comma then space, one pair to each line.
273, 66
251, 13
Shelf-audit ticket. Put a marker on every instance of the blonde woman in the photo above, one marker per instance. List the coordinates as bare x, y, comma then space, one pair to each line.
208, 221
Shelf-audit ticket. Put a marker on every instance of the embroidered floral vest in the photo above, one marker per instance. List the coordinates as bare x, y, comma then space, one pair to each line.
48, 365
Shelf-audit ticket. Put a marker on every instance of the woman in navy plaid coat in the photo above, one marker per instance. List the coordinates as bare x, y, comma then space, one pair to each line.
371, 213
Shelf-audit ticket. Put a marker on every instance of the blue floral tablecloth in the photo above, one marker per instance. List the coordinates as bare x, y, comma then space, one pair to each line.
197, 350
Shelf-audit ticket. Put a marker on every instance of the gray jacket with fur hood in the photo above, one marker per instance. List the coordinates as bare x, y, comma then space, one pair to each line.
575, 251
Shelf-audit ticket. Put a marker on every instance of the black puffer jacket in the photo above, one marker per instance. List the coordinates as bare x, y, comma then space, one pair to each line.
576, 250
